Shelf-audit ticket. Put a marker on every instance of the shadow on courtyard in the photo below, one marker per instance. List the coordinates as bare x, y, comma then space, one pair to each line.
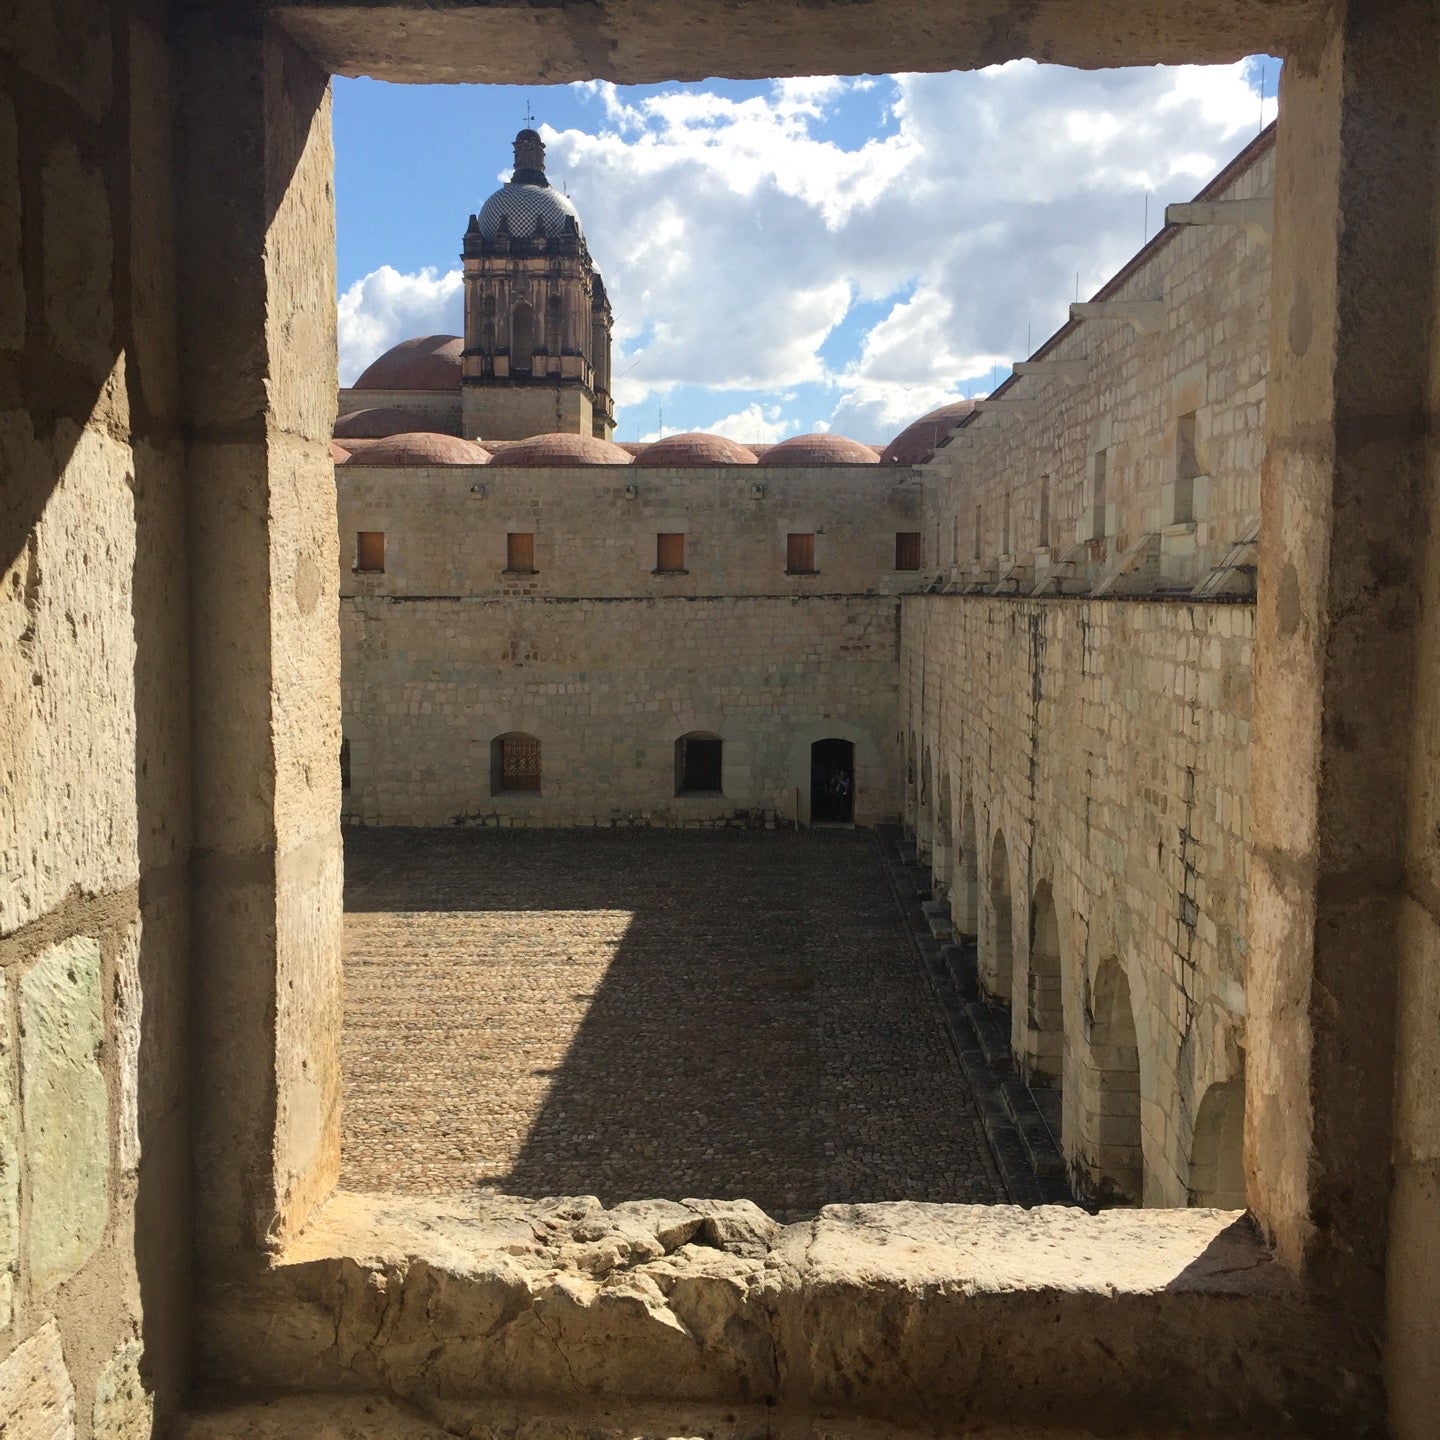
761, 1028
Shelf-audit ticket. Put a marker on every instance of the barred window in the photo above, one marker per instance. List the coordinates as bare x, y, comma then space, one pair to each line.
514, 763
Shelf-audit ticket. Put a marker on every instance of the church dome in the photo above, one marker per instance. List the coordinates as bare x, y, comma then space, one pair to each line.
822, 449
421, 448
427, 362
542, 451
918, 440
527, 202
526, 207
694, 449
338, 453
377, 422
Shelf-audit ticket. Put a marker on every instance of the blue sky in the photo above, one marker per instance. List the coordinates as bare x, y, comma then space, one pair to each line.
792, 255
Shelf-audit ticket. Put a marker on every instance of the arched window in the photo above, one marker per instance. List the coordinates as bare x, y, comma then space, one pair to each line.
698, 764
522, 338
514, 764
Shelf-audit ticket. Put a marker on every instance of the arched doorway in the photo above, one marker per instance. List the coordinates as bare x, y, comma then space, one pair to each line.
832, 782
1217, 1148
997, 958
1111, 1165
1044, 1013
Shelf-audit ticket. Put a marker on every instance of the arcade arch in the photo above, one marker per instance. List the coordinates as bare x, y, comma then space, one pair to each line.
997, 957
965, 893
1217, 1148
1044, 1011
1110, 1165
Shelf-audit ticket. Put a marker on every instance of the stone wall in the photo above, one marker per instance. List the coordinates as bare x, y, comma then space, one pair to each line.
1100, 748
94, 799
1077, 472
595, 527
608, 686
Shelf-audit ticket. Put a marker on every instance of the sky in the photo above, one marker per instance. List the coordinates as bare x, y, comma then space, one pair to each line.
835, 253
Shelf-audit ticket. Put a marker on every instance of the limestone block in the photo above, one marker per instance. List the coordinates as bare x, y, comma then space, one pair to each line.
67, 713
65, 1112
12, 280
79, 312
9, 1169
124, 1409
37, 1400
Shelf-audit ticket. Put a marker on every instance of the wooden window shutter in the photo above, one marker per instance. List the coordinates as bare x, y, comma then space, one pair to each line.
800, 554
520, 553
370, 550
907, 550
670, 552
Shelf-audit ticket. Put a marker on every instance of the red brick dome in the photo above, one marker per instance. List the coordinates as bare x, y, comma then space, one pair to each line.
379, 422
541, 451
427, 362
820, 449
420, 448
694, 449
633, 447
918, 440
338, 453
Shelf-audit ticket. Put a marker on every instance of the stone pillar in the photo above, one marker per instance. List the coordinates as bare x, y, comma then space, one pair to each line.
1343, 885
258, 307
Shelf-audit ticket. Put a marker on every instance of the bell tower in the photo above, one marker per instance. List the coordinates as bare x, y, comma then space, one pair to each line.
537, 320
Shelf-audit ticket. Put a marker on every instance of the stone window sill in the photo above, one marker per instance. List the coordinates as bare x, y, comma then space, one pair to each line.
669, 572
519, 572
486, 1300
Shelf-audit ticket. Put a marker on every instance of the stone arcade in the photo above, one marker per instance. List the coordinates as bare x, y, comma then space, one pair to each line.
172, 1247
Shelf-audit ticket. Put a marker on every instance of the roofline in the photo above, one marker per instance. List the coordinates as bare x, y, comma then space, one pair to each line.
1238, 166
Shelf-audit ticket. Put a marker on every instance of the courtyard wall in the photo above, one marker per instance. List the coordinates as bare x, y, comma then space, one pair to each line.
608, 685
1105, 744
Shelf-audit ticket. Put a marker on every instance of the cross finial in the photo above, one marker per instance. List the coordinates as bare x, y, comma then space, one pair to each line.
529, 117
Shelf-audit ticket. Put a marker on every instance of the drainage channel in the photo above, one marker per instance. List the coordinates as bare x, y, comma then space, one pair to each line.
1022, 1123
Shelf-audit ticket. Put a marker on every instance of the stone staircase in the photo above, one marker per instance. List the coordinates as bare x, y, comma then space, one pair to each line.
1022, 1122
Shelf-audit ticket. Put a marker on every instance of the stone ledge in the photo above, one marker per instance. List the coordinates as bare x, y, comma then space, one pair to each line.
905, 1313
372, 1417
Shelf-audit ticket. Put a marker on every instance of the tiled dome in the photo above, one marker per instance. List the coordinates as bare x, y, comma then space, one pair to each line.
426, 362
694, 449
634, 447
526, 207
540, 451
421, 448
823, 449
917, 441
338, 453
377, 422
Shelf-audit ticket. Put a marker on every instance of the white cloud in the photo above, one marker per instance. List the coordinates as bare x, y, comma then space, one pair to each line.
387, 306
736, 236
763, 424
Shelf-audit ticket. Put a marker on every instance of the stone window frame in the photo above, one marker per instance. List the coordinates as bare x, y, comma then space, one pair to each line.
251, 1197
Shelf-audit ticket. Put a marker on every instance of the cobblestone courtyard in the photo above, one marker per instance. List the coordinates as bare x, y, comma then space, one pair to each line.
645, 1013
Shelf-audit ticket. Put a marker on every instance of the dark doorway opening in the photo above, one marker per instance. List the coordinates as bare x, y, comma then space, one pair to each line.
832, 782
697, 765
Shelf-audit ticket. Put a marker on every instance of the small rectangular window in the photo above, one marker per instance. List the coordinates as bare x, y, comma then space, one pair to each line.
520, 553
907, 549
955, 540
978, 537
1187, 469
670, 554
1005, 526
344, 764
698, 765
370, 550
800, 554
1044, 539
